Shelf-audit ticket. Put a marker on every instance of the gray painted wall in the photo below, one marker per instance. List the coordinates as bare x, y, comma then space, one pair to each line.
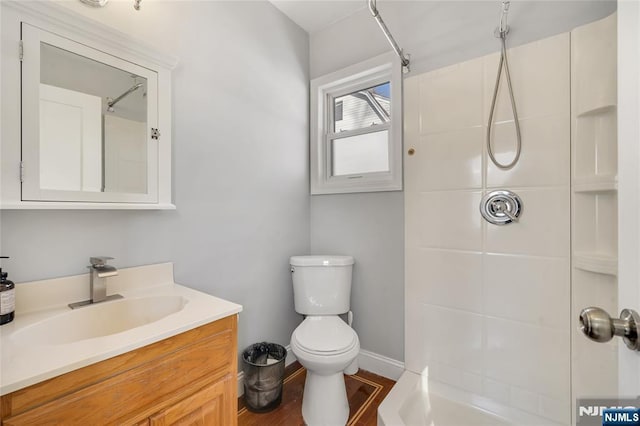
371, 226
239, 163
368, 226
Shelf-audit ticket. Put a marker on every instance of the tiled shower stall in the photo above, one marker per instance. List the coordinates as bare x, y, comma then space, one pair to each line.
488, 307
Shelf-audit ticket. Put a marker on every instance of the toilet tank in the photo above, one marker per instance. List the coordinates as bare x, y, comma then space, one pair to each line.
321, 284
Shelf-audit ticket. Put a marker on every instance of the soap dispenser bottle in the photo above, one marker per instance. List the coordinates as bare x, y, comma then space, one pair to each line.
7, 297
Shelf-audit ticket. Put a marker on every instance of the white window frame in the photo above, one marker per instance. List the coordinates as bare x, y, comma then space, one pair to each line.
324, 90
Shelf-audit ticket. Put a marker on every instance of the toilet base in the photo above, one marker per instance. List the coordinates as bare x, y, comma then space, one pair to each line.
324, 402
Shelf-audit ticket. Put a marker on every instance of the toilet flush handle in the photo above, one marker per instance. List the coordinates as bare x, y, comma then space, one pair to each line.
293, 269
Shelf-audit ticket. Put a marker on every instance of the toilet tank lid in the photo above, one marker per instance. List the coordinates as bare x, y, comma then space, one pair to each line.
320, 260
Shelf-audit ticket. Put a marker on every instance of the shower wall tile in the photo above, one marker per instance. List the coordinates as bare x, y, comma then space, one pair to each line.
415, 345
528, 289
411, 111
524, 400
440, 346
450, 219
595, 367
556, 409
411, 107
471, 382
543, 229
545, 155
451, 98
495, 390
540, 78
487, 307
451, 160
456, 377
529, 357
446, 374
446, 278
454, 336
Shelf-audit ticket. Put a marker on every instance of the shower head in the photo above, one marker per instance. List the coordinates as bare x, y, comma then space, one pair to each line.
502, 29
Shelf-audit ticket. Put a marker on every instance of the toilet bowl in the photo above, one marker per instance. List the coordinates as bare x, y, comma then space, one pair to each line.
325, 346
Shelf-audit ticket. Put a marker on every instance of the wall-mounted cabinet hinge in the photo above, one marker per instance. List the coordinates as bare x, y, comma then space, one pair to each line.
21, 51
155, 134
21, 172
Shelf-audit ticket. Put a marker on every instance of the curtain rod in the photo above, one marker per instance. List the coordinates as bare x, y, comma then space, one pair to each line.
374, 12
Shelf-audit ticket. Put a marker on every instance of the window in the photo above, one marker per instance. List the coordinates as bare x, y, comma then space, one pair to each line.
356, 128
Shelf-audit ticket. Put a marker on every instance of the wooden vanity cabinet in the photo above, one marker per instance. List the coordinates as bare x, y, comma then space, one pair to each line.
187, 379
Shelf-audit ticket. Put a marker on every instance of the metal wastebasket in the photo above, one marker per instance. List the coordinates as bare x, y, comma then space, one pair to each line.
263, 367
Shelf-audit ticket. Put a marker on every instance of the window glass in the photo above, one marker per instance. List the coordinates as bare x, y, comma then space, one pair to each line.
367, 153
363, 108
337, 111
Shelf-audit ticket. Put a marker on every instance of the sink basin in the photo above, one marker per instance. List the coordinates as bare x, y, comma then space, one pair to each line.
101, 319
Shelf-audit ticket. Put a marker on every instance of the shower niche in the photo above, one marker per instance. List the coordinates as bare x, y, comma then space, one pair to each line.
594, 186
93, 122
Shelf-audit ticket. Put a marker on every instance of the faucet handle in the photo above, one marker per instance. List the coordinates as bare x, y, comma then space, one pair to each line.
99, 261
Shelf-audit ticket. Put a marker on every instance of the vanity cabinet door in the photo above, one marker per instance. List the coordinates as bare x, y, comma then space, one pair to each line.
209, 406
187, 379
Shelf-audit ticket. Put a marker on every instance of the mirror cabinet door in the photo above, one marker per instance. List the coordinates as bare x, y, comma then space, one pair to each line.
87, 120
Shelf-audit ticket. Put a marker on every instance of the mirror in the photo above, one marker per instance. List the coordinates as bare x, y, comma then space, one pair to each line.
88, 121
93, 125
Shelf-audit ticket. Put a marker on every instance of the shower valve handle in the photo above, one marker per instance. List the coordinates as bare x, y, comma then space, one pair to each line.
501, 207
598, 326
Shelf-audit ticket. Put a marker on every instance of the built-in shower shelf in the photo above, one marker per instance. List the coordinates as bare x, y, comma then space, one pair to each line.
600, 183
597, 111
596, 262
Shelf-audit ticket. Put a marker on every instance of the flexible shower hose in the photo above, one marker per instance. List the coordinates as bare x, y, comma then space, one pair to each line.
505, 62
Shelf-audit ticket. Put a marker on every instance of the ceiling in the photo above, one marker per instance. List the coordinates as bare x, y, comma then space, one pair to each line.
435, 33
315, 15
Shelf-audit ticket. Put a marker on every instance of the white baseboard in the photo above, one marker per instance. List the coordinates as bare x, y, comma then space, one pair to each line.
290, 359
369, 361
380, 365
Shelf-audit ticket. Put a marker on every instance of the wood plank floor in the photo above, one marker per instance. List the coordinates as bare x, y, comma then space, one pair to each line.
365, 392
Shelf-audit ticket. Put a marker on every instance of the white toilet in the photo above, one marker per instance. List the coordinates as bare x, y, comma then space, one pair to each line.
324, 344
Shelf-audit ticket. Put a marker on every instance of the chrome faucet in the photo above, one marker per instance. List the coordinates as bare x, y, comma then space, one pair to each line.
99, 271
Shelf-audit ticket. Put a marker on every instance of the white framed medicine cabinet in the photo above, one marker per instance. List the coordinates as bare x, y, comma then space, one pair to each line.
86, 114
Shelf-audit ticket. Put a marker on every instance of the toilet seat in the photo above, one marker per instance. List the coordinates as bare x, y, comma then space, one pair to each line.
325, 335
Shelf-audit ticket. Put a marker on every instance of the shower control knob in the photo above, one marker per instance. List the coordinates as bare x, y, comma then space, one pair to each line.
598, 326
501, 207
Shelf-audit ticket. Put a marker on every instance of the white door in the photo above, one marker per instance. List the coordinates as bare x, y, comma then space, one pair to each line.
71, 149
629, 183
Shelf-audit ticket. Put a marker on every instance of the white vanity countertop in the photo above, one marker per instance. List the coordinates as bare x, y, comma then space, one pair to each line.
27, 363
